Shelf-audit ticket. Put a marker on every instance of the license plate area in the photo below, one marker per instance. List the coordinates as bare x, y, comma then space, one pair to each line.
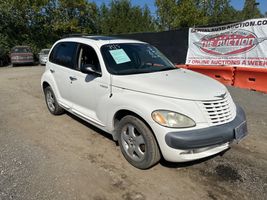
241, 131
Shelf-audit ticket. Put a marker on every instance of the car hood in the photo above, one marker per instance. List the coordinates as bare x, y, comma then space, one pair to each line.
178, 83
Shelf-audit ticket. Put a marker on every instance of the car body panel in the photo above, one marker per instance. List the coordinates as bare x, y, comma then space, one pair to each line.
179, 83
86, 91
61, 77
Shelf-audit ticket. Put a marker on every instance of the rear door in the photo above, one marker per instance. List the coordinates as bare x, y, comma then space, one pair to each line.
62, 63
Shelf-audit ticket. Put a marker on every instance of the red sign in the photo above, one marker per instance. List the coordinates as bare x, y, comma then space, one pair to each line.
229, 43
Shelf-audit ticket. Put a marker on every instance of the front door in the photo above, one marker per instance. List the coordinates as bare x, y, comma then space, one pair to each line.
89, 90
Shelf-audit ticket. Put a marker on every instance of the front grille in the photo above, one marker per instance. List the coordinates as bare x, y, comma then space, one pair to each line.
219, 111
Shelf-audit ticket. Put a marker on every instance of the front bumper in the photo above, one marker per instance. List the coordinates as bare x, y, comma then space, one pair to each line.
216, 135
43, 60
22, 61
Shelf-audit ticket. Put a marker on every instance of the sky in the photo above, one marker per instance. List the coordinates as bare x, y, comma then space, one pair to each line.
238, 4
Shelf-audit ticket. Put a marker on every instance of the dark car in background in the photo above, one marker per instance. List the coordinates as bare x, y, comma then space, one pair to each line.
43, 55
21, 55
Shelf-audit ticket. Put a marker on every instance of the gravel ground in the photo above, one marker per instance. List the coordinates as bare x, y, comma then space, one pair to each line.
48, 157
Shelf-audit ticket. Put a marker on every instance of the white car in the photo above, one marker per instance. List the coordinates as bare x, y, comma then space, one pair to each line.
132, 91
43, 56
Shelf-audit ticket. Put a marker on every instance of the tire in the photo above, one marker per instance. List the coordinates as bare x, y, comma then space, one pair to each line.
51, 102
137, 143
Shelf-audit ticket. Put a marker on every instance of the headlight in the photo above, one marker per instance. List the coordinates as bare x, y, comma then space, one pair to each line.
172, 119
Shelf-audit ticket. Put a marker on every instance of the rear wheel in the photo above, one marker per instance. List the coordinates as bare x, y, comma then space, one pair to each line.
51, 102
137, 143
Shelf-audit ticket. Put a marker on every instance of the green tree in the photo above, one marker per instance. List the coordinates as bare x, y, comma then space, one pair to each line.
190, 13
220, 11
251, 10
40, 23
187, 13
17, 20
4, 46
167, 14
72, 16
120, 16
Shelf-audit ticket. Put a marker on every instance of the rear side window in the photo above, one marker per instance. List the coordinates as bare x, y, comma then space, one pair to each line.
64, 54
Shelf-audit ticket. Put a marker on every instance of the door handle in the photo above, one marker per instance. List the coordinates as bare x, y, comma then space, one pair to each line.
72, 78
52, 71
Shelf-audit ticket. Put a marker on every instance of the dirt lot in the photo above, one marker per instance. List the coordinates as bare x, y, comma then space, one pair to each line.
48, 157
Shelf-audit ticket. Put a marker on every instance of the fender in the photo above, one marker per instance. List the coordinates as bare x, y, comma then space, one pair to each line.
143, 105
47, 77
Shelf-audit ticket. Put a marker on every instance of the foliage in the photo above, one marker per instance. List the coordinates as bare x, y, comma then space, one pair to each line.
251, 10
3, 45
40, 23
190, 13
167, 13
121, 17
220, 11
174, 14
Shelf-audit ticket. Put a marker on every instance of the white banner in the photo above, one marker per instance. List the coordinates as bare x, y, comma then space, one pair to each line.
238, 44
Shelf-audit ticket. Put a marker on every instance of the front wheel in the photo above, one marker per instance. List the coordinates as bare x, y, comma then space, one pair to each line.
51, 102
137, 143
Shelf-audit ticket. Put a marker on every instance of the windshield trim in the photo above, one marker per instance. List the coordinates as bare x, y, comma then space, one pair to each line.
143, 72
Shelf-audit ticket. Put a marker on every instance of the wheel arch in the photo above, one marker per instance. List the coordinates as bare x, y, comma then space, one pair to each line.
45, 85
124, 112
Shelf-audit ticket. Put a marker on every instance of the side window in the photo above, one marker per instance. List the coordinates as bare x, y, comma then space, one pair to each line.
88, 57
64, 54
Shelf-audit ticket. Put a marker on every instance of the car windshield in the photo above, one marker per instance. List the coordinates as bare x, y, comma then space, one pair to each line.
21, 50
134, 58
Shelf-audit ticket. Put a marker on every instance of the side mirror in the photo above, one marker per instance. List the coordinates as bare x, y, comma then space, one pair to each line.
90, 69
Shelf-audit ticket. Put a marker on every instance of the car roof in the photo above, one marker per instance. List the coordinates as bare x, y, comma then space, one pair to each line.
98, 39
